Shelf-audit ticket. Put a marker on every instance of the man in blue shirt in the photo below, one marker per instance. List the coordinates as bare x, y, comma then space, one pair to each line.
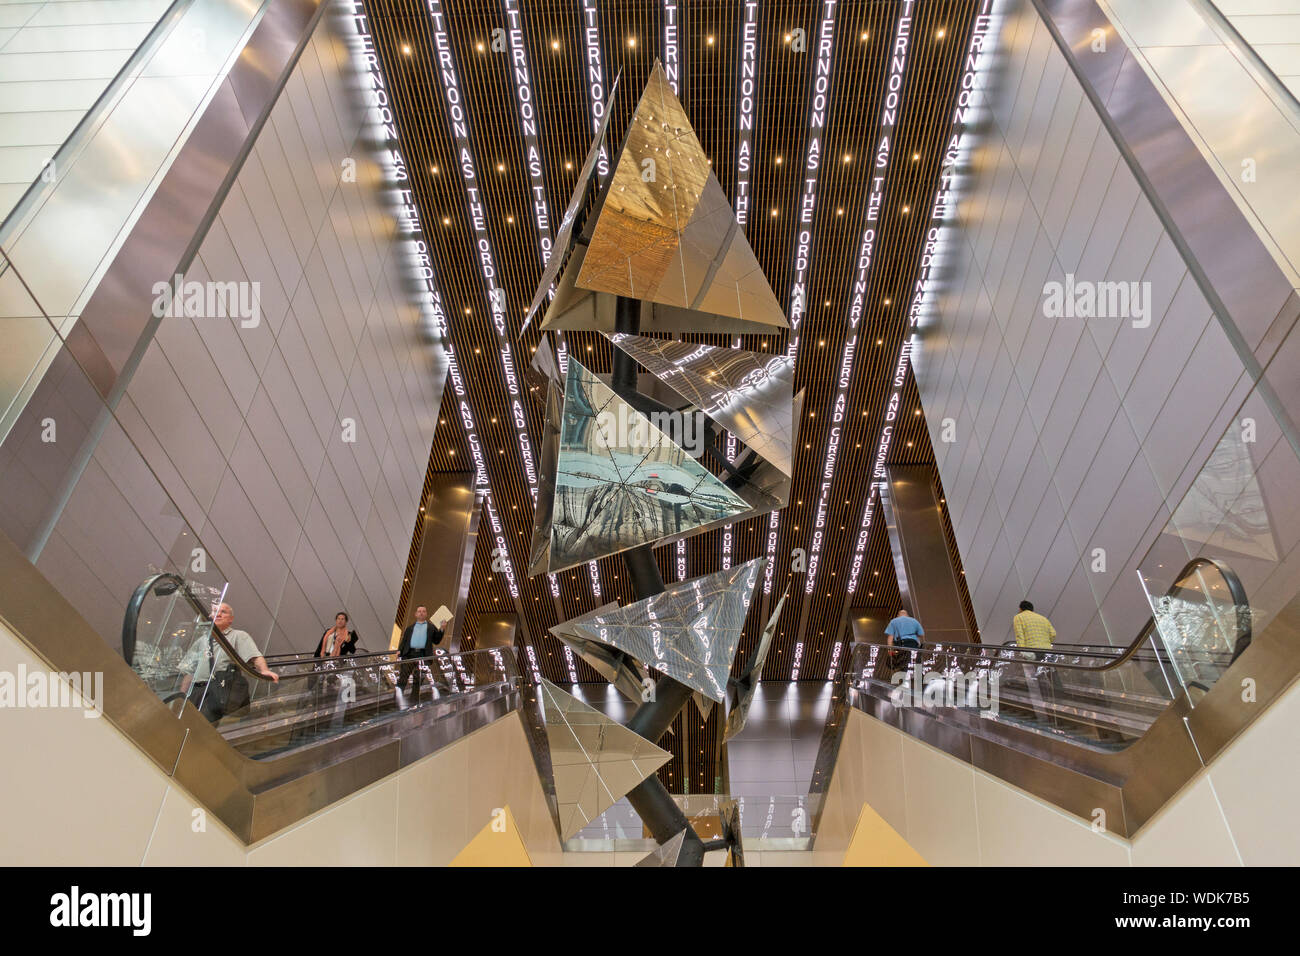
904, 631
417, 641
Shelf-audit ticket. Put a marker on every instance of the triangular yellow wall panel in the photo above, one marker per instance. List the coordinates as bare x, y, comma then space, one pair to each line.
876, 843
497, 844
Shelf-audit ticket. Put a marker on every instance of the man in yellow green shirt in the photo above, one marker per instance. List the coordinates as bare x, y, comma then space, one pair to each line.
1032, 629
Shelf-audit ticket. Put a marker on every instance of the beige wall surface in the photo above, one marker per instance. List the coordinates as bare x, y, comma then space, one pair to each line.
1235, 812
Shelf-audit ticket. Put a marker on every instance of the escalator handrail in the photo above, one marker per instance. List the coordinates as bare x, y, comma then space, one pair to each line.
131, 618
1235, 590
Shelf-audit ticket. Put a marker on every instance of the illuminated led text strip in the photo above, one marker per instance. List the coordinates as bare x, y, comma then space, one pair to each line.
496, 295
956, 153
672, 61
898, 60
412, 245
594, 79
527, 103
818, 109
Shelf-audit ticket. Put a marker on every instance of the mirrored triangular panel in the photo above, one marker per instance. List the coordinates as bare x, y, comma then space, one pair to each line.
747, 393
609, 662
619, 482
666, 232
689, 631
667, 854
747, 681
595, 759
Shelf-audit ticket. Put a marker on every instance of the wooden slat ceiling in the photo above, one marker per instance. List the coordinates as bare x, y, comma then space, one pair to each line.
553, 31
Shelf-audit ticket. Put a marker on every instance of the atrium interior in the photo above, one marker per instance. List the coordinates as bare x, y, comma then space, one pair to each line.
661, 433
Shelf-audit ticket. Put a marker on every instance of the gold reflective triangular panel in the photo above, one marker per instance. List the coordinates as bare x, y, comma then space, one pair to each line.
663, 232
499, 843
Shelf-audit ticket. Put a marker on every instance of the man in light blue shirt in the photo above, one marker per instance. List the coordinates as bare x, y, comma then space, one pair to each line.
417, 641
904, 631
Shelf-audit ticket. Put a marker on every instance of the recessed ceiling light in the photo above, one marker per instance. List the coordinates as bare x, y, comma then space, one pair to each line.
779, 160
848, 157
406, 49
501, 167
774, 213
510, 219
865, 35
631, 42
479, 46
434, 170
568, 164
710, 39
467, 310
906, 210
915, 157
787, 38
840, 211
446, 220
555, 45
941, 33
887, 301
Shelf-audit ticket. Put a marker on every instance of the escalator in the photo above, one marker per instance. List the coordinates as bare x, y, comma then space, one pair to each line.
1081, 725
167, 631
269, 752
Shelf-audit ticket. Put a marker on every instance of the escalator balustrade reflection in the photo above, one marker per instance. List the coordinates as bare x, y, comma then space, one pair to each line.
1098, 696
167, 625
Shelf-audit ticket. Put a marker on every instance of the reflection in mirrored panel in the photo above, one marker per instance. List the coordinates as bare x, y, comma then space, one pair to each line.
667, 854
619, 482
666, 232
1224, 509
595, 759
1202, 625
748, 394
747, 680
689, 631
610, 663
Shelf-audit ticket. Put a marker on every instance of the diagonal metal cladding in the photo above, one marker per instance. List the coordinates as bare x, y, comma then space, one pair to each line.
747, 682
564, 238
689, 631
667, 854
664, 233
595, 759
609, 662
747, 393
619, 482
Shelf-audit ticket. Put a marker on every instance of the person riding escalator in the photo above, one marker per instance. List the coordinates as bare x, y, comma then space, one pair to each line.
211, 681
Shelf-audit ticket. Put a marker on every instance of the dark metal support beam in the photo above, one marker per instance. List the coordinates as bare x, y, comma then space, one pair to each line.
651, 799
